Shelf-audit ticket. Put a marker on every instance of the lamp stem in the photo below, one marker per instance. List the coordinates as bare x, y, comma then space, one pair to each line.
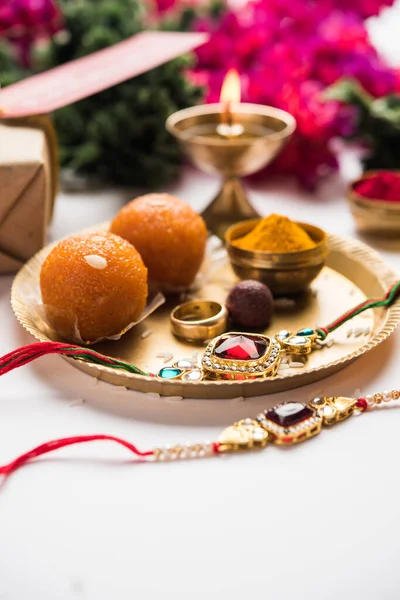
228, 207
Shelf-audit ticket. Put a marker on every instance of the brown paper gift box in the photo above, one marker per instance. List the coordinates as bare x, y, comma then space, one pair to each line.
26, 192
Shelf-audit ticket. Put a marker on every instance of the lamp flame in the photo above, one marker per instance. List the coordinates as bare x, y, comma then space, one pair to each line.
230, 91
230, 94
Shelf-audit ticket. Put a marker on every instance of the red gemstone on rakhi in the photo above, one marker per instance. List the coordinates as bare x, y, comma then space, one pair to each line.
240, 347
362, 403
289, 414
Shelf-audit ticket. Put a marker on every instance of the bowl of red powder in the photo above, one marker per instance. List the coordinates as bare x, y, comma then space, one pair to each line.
375, 202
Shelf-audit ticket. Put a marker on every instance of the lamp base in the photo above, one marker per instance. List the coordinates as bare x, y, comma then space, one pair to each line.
228, 207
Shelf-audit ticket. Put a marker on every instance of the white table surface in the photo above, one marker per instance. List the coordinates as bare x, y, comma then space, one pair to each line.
317, 521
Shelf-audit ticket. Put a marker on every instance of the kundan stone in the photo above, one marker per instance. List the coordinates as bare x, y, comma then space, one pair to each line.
240, 347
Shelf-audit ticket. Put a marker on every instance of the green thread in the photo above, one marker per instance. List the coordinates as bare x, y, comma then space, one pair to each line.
321, 334
113, 363
387, 301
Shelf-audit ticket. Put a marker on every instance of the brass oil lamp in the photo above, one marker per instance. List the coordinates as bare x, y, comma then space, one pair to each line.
231, 139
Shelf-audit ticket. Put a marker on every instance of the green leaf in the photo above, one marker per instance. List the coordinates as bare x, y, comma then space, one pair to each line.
387, 109
349, 91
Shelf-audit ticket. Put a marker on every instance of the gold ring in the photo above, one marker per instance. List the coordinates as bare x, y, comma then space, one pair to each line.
199, 320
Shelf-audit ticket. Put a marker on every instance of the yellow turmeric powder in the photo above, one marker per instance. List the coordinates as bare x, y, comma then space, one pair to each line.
276, 234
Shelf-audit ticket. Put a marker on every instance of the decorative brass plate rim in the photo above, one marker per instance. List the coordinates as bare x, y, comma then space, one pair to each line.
218, 389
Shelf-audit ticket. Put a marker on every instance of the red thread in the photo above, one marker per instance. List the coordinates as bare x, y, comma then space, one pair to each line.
62, 443
362, 404
26, 354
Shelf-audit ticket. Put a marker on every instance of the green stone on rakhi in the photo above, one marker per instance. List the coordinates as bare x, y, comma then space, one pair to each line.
306, 332
169, 373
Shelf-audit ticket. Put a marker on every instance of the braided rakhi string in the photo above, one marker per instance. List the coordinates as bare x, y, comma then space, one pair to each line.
24, 355
389, 298
62, 443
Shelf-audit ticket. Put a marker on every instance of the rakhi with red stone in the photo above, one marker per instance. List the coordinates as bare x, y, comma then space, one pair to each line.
285, 424
232, 355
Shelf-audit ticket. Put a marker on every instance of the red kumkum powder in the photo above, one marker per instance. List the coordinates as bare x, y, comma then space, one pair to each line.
384, 185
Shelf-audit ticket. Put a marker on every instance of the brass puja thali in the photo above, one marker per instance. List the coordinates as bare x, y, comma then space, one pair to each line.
352, 273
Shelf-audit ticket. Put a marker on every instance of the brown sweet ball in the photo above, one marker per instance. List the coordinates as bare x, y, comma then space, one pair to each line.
250, 304
169, 234
93, 286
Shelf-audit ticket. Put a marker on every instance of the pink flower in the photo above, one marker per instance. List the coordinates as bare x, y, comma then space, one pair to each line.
287, 52
362, 8
164, 6
24, 21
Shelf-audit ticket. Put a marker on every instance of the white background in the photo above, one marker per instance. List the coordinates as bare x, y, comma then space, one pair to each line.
317, 521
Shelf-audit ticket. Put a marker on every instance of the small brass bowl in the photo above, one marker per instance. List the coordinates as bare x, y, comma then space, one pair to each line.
373, 215
285, 273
